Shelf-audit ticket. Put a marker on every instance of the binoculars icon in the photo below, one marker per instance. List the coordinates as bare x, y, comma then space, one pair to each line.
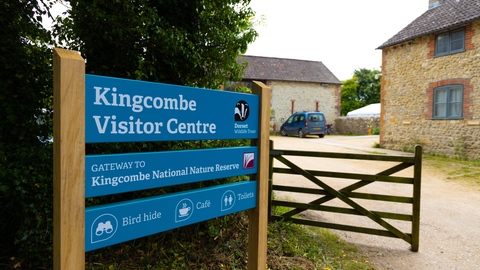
107, 227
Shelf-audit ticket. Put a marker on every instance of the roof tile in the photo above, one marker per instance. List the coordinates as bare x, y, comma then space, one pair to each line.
449, 13
280, 69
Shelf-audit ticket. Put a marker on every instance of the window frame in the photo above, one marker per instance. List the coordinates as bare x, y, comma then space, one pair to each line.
449, 44
448, 88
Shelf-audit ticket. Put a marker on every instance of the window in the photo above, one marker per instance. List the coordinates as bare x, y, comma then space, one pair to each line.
450, 42
290, 119
316, 118
448, 102
299, 118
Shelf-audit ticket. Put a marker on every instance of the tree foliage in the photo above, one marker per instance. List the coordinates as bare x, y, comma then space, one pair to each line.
188, 42
350, 100
361, 90
25, 161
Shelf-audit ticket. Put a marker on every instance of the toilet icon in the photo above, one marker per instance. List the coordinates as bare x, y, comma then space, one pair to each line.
228, 200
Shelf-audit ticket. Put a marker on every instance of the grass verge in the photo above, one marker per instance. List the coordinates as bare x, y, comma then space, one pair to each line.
292, 246
460, 170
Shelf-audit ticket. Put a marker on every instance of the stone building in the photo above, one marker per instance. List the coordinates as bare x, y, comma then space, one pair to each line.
297, 85
430, 90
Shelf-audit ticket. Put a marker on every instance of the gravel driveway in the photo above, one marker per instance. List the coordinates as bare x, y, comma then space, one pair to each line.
450, 212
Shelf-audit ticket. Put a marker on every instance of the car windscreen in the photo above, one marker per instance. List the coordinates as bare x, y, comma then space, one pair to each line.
317, 117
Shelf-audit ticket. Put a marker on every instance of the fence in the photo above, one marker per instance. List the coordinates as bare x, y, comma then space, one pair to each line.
345, 194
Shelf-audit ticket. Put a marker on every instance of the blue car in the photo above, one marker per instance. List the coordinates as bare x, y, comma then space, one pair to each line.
305, 123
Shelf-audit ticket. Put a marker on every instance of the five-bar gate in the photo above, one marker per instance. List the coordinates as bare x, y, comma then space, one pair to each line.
347, 193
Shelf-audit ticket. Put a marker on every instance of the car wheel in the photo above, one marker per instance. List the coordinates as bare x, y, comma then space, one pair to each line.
321, 135
283, 132
301, 134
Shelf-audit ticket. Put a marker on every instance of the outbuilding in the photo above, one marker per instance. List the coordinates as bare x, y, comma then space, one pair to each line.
297, 85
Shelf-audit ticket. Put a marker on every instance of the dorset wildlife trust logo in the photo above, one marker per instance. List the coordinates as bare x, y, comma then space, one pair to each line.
242, 111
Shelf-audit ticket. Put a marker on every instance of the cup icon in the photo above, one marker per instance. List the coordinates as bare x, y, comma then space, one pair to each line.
184, 211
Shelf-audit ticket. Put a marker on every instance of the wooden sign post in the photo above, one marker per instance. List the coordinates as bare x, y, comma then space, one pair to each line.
97, 109
69, 160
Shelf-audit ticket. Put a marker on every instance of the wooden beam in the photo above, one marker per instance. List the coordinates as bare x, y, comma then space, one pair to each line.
353, 176
417, 184
270, 181
337, 226
366, 196
69, 160
258, 216
342, 210
281, 152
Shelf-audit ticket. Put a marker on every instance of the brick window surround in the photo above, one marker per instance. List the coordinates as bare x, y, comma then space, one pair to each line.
469, 45
338, 99
467, 100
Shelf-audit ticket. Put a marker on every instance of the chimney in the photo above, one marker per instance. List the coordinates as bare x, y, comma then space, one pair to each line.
434, 3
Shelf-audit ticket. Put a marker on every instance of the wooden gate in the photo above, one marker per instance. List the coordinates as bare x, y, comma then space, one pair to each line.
345, 194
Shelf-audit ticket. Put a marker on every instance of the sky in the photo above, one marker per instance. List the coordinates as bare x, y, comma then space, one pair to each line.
343, 34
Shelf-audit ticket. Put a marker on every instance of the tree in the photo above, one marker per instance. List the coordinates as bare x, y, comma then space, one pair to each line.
368, 85
25, 120
189, 42
350, 99
361, 90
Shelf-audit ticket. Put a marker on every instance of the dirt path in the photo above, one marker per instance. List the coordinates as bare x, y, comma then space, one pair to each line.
450, 212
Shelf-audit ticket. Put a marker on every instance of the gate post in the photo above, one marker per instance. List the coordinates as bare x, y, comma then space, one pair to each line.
258, 216
417, 179
270, 181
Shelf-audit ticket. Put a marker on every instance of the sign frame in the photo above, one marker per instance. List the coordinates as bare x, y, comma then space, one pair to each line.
116, 112
123, 221
118, 173
69, 166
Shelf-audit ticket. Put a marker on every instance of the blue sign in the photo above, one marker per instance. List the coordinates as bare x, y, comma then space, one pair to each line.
111, 174
106, 225
121, 110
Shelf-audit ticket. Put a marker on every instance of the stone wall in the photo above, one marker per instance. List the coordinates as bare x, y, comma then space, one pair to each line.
356, 125
303, 96
410, 74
